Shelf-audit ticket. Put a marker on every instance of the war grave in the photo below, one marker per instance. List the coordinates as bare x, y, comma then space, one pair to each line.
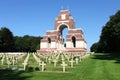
54, 61
58, 66
53, 56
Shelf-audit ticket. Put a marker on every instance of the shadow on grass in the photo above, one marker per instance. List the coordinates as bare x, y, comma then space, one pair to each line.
108, 56
13, 75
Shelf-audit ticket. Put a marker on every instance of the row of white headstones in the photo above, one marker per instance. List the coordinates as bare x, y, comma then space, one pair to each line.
26, 61
55, 57
63, 56
10, 58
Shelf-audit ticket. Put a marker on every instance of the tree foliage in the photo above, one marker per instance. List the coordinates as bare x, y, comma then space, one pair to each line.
110, 36
94, 47
6, 40
27, 43
10, 43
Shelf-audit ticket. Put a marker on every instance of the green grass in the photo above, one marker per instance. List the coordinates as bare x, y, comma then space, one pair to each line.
96, 67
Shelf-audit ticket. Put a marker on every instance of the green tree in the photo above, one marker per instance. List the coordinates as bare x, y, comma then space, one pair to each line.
94, 47
19, 44
110, 35
6, 40
27, 43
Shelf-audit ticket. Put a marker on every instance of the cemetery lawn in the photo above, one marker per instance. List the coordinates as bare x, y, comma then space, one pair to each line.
96, 67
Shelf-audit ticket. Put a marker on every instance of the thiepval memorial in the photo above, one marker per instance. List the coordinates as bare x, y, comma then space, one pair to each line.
53, 40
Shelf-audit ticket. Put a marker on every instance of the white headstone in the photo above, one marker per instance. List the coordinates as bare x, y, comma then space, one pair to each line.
13, 61
2, 61
8, 62
62, 58
55, 61
43, 66
49, 60
63, 65
72, 61
76, 59
16, 59
24, 64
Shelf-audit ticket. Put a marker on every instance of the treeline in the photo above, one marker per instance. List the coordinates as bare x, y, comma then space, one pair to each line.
110, 36
10, 43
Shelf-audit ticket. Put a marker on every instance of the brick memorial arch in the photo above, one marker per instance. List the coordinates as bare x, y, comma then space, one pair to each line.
53, 40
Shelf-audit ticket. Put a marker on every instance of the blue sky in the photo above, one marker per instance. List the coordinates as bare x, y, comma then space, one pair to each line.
35, 17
